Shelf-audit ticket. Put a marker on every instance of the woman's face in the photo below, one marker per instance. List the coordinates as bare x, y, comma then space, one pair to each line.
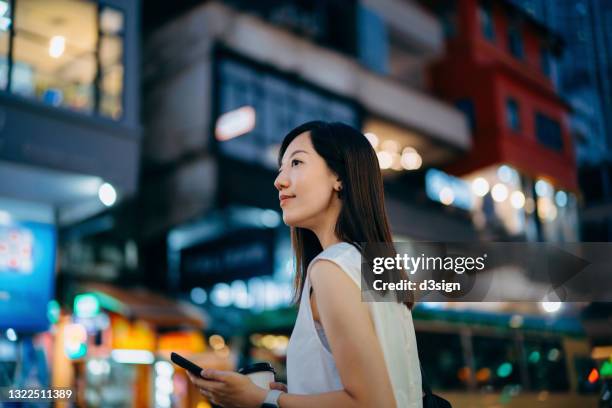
306, 178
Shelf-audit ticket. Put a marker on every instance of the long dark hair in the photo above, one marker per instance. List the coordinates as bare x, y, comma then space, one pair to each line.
363, 218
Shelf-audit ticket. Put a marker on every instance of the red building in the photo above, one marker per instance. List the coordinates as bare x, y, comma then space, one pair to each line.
499, 69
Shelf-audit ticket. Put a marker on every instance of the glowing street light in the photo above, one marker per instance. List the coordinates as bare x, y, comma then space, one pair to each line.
550, 307
543, 188
57, 46
107, 194
505, 173
411, 159
480, 186
447, 196
11, 335
385, 159
373, 139
390, 146
517, 199
499, 192
561, 198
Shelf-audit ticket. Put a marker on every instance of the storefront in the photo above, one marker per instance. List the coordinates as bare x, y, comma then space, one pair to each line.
114, 348
492, 351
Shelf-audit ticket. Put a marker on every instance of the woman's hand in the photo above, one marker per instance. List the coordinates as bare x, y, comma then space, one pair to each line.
229, 389
278, 386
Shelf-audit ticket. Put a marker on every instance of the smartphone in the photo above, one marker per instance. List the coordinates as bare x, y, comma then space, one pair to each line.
186, 364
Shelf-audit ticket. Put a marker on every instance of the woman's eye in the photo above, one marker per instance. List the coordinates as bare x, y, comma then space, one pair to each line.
295, 161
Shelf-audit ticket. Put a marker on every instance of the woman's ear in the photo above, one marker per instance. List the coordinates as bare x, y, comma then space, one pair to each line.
338, 189
338, 186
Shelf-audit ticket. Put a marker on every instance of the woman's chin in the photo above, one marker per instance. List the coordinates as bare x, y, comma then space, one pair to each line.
292, 224
292, 221
288, 220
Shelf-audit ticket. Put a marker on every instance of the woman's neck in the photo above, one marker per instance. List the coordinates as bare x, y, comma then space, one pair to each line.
325, 228
328, 239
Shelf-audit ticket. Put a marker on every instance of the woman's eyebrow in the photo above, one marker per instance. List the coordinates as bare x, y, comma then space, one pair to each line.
297, 151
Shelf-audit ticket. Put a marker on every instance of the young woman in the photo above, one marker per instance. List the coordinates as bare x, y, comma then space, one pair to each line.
342, 352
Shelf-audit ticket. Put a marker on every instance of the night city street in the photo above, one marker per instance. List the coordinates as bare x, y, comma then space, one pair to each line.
170, 170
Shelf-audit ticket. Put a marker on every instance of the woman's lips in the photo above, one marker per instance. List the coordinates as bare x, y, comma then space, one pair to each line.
285, 199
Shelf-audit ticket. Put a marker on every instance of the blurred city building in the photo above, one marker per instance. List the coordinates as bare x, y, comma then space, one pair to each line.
69, 150
69, 107
584, 80
500, 69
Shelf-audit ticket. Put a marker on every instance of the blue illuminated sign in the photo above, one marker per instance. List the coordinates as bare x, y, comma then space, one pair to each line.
27, 270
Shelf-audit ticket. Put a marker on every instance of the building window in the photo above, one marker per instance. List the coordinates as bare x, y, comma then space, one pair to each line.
54, 57
69, 54
515, 40
487, 26
513, 116
548, 132
467, 107
111, 62
545, 61
5, 26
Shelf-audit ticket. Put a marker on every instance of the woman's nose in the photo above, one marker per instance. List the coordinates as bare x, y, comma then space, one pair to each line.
280, 182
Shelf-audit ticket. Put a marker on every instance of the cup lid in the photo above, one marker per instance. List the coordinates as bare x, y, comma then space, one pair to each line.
255, 368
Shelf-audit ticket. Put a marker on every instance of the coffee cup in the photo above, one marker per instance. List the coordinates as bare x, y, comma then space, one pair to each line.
262, 374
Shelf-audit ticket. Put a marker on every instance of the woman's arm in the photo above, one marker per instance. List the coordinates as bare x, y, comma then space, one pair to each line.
354, 345
353, 342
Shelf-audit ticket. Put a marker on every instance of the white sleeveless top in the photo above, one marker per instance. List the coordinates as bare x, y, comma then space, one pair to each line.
311, 368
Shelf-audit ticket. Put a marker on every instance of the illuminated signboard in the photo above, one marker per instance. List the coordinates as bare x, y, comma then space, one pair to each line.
258, 107
27, 270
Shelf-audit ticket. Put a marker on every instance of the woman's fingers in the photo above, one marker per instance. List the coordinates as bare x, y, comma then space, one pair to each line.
216, 375
205, 393
204, 384
278, 386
